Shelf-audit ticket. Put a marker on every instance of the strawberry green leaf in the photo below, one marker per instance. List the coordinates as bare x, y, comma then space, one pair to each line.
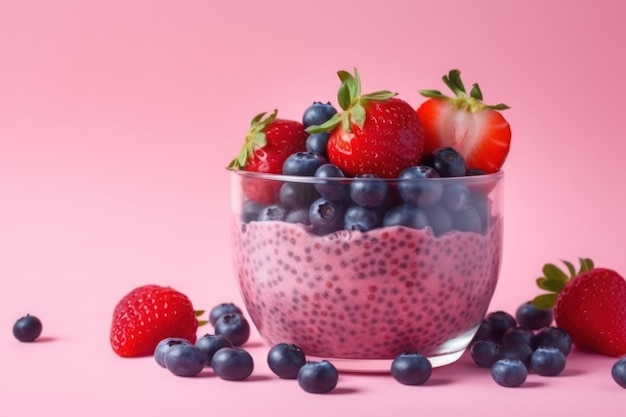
378, 96
198, 313
476, 93
586, 264
343, 96
358, 115
202, 322
453, 80
545, 301
553, 272
549, 284
570, 268
326, 126
254, 139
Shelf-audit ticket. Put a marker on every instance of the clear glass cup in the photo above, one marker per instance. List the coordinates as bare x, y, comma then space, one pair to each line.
421, 280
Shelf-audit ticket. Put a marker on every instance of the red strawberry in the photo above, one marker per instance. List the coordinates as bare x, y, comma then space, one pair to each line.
375, 134
268, 143
476, 130
590, 305
149, 314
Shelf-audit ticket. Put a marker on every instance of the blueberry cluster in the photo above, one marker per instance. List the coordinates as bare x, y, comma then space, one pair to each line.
220, 351
512, 346
332, 202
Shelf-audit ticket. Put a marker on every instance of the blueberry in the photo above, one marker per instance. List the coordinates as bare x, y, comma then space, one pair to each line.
318, 377
361, 218
273, 212
27, 328
164, 345
618, 372
518, 351
285, 360
318, 113
211, 343
456, 197
184, 360
334, 189
415, 188
232, 364
485, 353
406, 215
500, 321
467, 221
509, 372
221, 309
533, 318
318, 143
303, 164
297, 195
299, 215
251, 211
234, 327
518, 335
447, 162
368, 190
475, 171
547, 361
411, 368
483, 332
439, 219
553, 336
326, 216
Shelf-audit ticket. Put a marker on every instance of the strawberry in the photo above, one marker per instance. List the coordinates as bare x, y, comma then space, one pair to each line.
375, 134
268, 143
149, 314
476, 130
590, 305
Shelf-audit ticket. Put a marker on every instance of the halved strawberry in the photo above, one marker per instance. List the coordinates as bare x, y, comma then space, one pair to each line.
268, 143
375, 134
589, 304
476, 130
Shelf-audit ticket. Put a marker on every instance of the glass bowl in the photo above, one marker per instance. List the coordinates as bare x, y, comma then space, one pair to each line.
358, 286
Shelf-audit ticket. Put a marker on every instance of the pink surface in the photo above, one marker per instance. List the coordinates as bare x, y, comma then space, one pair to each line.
118, 117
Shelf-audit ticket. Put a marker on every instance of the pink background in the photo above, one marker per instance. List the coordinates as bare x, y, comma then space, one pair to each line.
117, 119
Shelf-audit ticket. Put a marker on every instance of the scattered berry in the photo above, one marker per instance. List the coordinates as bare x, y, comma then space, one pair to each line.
509, 372
532, 317
27, 328
553, 337
618, 372
285, 360
221, 309
318, 377
232, 364
211, 343
485, 353
499, 322
164, 345
234, 327
184, 360
547, 361
520, 351
518, 335
411, 369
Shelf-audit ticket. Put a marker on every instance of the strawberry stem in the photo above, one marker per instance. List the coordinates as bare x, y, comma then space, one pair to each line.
255, 139
555, 279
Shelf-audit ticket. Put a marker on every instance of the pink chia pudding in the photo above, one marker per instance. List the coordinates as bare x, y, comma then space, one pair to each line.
366, 295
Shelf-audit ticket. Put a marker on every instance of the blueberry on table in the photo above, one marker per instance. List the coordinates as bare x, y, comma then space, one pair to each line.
209, 344
509, 372
285, 360
234, 327
518, 335
519, 351
27, 328
318, 113
221, 309
164, 345
485, 353
553, 336
499, 322
533, 318
618, 372
184, 360
318, 377
232, 364
548, 361
411, 369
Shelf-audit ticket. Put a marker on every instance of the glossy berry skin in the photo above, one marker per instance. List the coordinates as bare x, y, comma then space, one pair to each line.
285, 360
467, 220
518, 335
499, 322
211, 343
553, 336
232, 364
149, 314
303, 164
518, 351
326, 216
275, 212
318, 143
184, 360
439, 219
297, 195
221, 309
533, 318
164, 345
447, 162
332, 190
548, 361
361, 218
234, 327
414, 189
485, 353
318, 377
509, 372
318, 113
456, 197
406, 215
27, 328
618, 372
367, 190
411, 369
